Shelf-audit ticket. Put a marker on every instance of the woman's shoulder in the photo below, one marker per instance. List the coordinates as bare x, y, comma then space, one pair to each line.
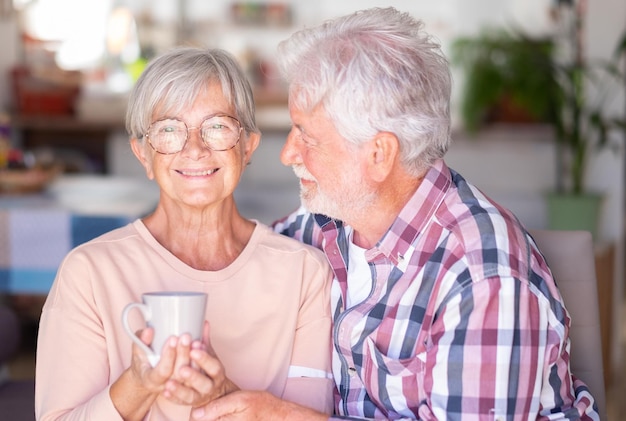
269, 238
114, 238
116, 234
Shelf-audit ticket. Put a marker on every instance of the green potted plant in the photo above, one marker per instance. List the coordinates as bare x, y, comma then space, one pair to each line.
507, 78
533, 74
582, 125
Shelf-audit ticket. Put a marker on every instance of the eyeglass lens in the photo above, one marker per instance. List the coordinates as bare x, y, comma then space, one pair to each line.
218, 133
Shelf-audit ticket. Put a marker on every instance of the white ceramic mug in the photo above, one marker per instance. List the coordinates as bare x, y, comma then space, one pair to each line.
169, 313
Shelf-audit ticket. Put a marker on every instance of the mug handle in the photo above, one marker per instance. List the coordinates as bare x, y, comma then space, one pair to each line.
153, 357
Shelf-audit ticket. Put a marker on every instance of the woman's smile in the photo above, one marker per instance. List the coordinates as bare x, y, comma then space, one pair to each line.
197, 173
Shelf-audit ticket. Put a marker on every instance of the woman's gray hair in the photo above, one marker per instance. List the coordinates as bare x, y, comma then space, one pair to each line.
374, 71
172, 81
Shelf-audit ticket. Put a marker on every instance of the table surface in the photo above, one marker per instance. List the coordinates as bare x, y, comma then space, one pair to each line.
38, 230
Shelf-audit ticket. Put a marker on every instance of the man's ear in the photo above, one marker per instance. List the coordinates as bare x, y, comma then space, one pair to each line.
139, 150
382, 155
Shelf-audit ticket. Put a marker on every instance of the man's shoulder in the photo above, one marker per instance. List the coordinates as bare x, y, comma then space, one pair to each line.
307, 227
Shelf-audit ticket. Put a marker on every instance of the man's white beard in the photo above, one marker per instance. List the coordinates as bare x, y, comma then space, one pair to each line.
342, 203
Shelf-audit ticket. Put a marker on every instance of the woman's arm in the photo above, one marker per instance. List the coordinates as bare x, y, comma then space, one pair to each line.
309, 380
72, 368
77, 374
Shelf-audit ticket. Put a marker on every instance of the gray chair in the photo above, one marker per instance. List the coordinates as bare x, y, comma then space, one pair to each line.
17, 397
570, 255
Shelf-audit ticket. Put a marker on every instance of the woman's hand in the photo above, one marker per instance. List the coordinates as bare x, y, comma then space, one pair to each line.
203, 380
154, 378
139, 385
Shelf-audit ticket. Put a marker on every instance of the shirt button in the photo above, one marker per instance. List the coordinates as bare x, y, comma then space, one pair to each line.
352, 371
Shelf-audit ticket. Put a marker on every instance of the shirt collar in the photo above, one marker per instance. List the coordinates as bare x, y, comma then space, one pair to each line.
413, 218
416, 214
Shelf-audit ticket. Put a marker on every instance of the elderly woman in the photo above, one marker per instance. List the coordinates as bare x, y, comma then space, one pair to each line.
192, 127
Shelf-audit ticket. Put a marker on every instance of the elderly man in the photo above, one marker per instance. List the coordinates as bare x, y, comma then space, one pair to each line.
443, 306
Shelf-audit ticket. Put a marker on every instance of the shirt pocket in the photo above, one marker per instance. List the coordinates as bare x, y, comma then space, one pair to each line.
402, 380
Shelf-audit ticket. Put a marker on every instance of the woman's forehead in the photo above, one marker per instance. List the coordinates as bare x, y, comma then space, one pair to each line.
208, 95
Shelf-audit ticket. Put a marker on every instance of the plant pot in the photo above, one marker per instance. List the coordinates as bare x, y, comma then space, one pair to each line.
574, 212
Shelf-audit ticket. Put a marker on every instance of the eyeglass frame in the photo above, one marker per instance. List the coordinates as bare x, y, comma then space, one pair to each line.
189, 128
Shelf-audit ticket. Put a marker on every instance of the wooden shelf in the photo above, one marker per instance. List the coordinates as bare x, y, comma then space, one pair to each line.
61, 123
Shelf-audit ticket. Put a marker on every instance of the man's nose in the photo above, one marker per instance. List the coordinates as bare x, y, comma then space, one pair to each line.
289, 155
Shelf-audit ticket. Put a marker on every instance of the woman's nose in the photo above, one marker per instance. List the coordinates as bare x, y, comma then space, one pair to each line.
195, 144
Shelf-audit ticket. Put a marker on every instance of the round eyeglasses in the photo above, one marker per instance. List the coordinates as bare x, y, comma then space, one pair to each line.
218, 133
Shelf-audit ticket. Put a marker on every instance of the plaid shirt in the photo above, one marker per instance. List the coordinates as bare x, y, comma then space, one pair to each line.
464, 320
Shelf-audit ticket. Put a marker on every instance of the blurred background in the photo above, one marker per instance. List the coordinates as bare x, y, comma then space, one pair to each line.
537, 85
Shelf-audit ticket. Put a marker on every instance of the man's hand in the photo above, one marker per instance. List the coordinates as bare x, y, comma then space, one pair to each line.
255, 406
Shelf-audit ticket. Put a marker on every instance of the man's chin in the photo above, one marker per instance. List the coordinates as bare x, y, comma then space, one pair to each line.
317, 206
308, 201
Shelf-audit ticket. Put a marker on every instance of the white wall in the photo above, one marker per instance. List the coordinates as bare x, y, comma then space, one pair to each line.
446, 19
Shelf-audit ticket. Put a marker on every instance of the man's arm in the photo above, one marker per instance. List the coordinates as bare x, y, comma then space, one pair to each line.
257, 406
300, 225
261, 406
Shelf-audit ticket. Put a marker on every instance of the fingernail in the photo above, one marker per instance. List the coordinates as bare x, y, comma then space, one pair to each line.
197, 413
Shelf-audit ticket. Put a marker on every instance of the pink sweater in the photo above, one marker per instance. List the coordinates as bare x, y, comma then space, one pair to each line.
269, 314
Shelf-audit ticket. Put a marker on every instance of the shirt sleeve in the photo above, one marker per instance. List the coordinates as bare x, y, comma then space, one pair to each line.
309, 381
71, 371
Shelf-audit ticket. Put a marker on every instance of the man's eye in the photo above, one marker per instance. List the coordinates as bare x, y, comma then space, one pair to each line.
299, 135
306, 139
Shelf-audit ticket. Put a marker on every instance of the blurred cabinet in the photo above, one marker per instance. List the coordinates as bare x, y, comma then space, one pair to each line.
80, 145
